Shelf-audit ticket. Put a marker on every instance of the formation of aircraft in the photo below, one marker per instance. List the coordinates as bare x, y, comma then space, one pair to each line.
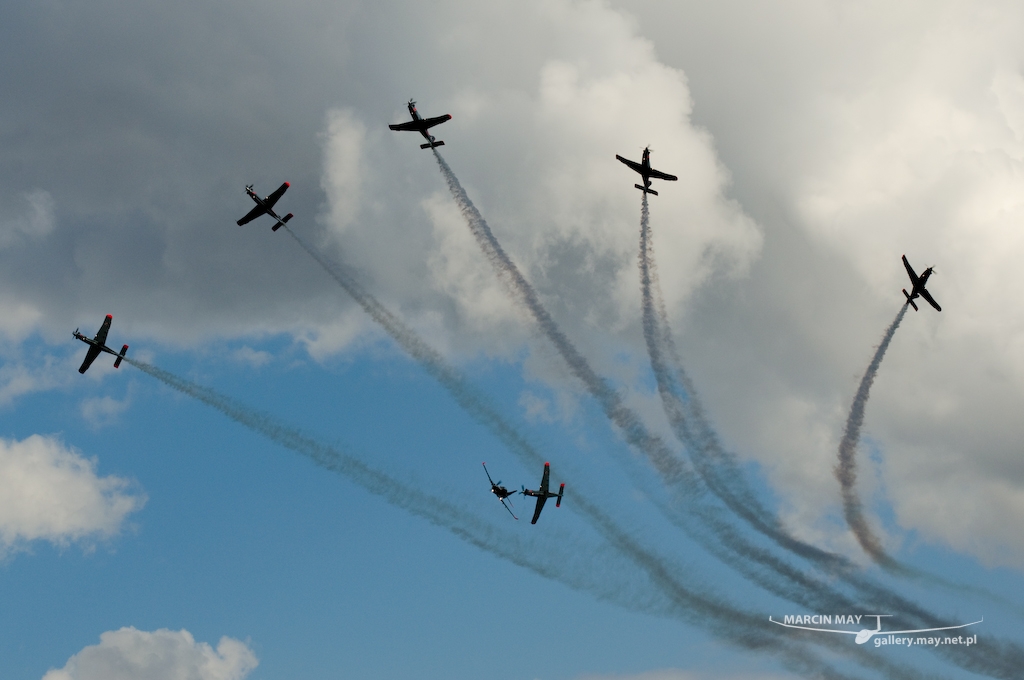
542, 494
421, 125
501, 492
917, 286
417, 124
265, 206
645, 170
96, 345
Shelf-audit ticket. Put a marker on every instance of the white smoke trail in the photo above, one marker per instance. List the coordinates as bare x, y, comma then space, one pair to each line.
572, 566
577, 568
846, 468
672, 470
718, 468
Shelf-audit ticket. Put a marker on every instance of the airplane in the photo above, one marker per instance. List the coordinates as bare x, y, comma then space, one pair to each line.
542, 494
866, 634
96, 345
421, 125
917, 290
645, 169
501, 492
265, 206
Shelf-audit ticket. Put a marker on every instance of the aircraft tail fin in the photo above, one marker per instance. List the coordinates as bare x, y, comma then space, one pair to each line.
561, 490
284, 220
910, 300
431, 145
117, 361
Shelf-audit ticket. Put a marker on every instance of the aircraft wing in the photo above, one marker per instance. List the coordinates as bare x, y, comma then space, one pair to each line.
278, 193
543, 490
632, 164
658, 174
509, 510
90, 357
101, 334
252, 214
928, 296
541, 500
910, 270
411, 126
436, 120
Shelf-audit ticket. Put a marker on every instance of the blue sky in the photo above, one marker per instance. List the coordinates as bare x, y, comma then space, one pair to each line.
145, 534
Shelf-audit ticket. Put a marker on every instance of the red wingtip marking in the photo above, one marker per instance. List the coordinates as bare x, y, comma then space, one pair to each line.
547, 464
110, 316
287, 184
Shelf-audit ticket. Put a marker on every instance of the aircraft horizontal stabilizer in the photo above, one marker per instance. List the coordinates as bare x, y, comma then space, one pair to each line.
909, 300
117, 361
431, 145
561, 490
283, 221
645, 189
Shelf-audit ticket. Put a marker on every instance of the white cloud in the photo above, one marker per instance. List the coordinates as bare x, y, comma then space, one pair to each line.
536, 151
130, 654
858, 133
102, 411
50, 492
254, 358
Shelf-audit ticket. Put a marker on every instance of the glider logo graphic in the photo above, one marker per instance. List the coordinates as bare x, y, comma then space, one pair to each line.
866, 634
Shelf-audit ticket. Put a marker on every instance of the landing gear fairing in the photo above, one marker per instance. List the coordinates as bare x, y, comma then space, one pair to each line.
265, 206
421, 125
96, 345
645, 169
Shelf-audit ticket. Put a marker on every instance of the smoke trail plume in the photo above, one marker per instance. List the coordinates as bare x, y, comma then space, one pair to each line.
670, 467
673, 470
719, 470
478, 408
801, 588
846, 469
575, 568
572, 567
804, 591
676, 473
717, 467
471, 401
